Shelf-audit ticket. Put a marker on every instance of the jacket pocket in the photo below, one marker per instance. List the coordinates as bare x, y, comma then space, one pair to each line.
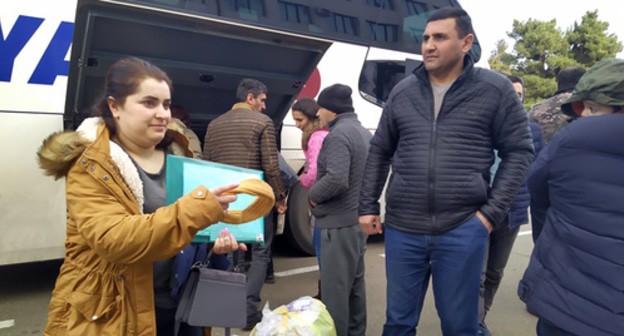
95, 307
58, 313
482, 187
391, 190
524, 291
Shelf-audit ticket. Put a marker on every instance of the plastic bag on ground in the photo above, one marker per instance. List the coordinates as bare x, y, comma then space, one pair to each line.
305, 316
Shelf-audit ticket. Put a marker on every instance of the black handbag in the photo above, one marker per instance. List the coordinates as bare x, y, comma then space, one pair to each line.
213, 298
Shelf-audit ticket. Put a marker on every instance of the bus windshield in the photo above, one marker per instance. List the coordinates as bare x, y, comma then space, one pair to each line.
388, 24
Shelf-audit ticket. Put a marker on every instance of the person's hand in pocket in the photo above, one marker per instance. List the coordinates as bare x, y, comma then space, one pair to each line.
485, 222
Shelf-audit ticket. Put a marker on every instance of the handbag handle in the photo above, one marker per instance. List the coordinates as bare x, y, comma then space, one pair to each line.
236, 267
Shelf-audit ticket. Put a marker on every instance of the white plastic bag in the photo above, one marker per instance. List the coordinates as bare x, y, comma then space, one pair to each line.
305, 316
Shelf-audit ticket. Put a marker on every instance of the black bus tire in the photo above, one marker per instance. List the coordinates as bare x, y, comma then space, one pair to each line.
298, 231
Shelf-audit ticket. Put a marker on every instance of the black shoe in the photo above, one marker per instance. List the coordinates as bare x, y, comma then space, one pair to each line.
270, 279
252, 321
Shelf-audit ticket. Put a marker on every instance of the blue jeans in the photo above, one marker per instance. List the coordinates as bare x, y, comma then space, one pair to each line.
454, 260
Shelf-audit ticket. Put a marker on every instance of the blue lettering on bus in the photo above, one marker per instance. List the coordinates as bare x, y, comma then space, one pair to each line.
15, 40
52, 62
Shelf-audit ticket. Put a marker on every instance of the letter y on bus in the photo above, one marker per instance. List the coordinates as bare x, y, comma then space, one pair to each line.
51, 64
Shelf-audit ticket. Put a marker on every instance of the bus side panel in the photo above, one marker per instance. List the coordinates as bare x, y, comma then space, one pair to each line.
32, 219
34, 63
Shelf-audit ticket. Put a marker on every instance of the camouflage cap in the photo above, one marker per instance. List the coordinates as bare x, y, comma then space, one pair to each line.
603, 84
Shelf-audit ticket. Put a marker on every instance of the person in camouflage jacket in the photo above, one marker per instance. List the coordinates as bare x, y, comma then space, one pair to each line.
547, 113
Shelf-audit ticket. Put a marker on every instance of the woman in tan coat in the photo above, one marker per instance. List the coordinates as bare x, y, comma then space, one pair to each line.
105, 285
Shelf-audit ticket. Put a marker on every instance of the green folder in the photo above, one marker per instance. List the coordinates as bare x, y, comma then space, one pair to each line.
185, 174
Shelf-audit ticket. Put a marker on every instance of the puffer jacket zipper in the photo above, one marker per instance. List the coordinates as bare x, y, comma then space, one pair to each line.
432, 158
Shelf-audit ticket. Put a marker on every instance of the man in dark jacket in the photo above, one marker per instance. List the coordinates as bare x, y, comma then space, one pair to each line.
439, 130
334, 201
502, 238
245, 137
574, 281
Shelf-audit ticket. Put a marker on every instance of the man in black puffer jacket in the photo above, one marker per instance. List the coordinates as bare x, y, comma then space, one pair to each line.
439, 130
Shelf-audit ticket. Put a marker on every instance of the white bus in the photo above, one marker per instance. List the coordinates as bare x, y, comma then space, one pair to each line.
54, 55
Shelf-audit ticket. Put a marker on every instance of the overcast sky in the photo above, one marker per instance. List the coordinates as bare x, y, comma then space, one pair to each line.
492, 19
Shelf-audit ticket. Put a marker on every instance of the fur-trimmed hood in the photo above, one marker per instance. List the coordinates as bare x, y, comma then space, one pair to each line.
60, 151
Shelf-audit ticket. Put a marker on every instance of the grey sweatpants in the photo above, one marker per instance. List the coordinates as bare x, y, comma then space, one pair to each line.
342, 278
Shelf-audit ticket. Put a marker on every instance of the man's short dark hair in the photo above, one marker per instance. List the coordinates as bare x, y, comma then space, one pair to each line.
516, 79
568, 77
463, 23
247, 86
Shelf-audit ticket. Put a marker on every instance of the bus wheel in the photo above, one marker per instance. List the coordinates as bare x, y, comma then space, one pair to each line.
298, 230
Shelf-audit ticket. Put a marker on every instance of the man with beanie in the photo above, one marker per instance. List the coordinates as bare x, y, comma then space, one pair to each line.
334, 202
438, 130
547, 113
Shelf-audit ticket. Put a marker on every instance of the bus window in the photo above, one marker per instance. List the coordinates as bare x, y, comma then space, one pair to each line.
383, 32
415, 7
378, 78
389, 24
293, 12
247, 9
383, 4
344, 24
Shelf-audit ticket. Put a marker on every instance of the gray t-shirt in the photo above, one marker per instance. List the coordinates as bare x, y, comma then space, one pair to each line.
439, 90
155, 194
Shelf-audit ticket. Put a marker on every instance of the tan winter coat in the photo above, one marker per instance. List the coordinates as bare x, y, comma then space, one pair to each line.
105, 283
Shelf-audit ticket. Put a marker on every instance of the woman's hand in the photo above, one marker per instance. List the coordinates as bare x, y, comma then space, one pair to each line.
225, 200
226, 243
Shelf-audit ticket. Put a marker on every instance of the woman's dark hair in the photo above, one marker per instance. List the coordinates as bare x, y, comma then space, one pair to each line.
122, 80
308, 107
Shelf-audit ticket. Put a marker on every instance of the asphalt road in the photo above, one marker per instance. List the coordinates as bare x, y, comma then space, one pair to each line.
25, 292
